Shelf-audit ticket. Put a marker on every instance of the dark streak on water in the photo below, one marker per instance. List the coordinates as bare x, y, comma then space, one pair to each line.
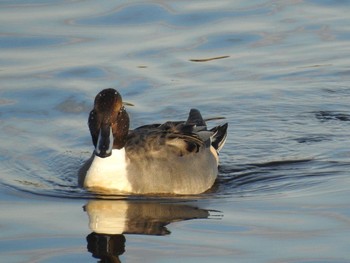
329, 115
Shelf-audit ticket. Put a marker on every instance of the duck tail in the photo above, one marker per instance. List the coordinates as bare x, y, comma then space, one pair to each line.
219, 136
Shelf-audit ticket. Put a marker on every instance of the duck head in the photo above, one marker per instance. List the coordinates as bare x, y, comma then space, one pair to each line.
108, 122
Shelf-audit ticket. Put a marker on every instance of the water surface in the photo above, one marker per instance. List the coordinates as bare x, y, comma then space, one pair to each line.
278, 71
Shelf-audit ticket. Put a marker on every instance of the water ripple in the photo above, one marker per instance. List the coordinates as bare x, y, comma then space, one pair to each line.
57, 177
27, 42
277, 177
332, 115
135, 14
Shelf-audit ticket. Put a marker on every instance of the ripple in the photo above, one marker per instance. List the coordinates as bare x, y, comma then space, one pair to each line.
16, 42
292, 177
136, 14
45, 173
82, 72
313, 138
27, 3
224, 40
57, 178
332, 115
72, 105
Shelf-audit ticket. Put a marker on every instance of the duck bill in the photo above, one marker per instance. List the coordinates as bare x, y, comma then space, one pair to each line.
104, 144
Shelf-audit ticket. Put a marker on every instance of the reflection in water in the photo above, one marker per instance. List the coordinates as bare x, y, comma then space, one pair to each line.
108, 248
109, 220
148, 218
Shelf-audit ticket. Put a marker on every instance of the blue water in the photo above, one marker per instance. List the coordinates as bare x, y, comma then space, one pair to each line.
278, 71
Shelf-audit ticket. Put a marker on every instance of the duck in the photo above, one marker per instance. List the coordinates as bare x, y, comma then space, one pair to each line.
175, 157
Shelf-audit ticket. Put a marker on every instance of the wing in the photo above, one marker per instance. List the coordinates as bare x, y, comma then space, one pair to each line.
177, 138
163, 141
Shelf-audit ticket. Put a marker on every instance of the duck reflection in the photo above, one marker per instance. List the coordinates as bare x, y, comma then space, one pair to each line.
109, 220
106, 247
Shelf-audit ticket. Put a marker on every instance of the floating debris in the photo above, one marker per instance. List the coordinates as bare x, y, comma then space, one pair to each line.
208, 59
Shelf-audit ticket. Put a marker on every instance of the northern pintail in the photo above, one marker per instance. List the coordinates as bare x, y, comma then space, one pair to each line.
179, 157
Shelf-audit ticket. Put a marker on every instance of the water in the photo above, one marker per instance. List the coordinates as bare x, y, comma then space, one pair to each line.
278, 71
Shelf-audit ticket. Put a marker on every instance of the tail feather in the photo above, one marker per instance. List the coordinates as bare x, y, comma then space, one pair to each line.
217, 134
195, 118
219, 137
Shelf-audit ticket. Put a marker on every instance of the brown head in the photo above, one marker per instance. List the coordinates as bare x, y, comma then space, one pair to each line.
108, 122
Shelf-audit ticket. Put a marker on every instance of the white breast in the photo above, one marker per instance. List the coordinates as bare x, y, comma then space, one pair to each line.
109, 173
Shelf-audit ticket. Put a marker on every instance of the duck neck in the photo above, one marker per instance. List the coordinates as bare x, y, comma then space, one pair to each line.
120, 129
